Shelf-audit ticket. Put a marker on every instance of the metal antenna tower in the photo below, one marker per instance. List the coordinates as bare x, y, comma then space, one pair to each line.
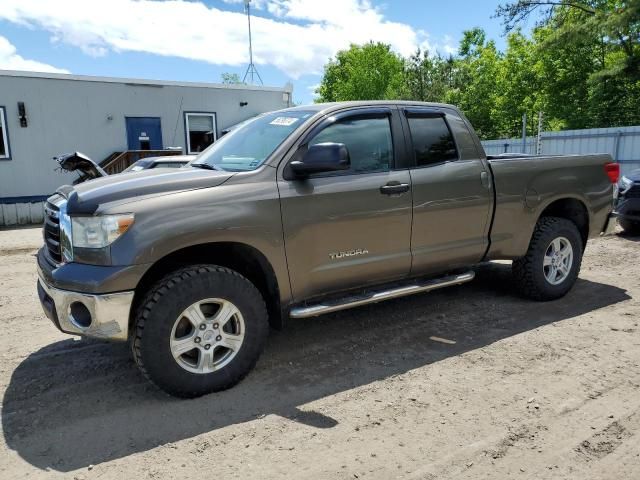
252, 71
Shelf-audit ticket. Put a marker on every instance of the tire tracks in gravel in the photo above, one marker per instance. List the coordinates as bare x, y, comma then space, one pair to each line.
549, 441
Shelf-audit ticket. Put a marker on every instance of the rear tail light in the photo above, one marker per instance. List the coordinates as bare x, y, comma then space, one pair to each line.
613, 171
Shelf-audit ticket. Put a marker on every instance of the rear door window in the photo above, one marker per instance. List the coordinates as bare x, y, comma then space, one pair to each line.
432, 140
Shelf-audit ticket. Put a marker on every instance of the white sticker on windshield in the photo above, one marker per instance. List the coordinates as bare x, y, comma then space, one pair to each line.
284, 121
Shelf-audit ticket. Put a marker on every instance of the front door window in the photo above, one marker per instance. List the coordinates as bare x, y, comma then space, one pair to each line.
367, 139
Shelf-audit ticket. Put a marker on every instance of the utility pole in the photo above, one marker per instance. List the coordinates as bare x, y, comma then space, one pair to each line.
539, 139
524, 133
252, 71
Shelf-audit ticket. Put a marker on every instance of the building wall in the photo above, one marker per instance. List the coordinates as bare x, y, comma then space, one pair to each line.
622, 143
66, 114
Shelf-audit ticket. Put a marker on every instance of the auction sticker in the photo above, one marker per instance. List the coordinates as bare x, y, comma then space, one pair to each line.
284, 121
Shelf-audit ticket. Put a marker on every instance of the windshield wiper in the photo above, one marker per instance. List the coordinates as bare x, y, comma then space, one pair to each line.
206, 166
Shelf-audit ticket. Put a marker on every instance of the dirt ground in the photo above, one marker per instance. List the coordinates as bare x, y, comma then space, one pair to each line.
466, 382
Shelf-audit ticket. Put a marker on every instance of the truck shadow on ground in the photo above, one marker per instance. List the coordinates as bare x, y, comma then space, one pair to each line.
628, 236
77, 403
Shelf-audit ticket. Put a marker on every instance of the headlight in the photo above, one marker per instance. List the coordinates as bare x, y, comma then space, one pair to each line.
624, 184
99, 231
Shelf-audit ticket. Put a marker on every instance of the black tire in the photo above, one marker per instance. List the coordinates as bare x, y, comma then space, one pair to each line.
629, 226
163, 305
528, 271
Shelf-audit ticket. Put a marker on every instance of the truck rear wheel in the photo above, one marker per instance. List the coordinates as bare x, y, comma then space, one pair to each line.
552, 263
200, 330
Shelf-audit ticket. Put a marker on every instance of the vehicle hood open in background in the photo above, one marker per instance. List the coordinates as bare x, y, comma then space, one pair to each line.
86, 197
79, 162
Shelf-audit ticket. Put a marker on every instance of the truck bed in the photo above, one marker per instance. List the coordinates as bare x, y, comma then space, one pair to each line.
525, 185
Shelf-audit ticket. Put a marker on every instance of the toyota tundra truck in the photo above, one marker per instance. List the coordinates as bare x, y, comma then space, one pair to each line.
302, 212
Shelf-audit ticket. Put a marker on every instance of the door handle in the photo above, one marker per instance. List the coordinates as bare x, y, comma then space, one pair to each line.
394, 188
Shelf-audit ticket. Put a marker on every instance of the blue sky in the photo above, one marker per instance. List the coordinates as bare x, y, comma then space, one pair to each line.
199, 40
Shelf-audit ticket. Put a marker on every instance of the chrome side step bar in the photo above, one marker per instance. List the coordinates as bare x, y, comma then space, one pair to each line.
375, 296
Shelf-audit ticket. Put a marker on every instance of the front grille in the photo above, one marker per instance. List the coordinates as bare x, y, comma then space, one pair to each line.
52, 232
633, 192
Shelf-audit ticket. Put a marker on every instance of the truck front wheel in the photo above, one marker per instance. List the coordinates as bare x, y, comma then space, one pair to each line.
552, 263
201, 329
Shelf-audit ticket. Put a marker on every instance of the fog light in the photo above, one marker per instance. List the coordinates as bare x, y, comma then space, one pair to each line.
80, 315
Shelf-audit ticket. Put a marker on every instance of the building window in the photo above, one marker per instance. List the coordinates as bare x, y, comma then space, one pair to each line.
201, 131
5, 153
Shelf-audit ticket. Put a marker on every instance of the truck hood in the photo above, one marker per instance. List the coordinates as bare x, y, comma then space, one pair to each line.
88, 196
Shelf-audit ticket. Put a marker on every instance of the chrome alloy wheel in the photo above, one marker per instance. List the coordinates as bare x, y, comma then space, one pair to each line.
207, 335
558, 260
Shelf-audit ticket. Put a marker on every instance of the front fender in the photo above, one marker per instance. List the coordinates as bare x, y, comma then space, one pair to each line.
244, 210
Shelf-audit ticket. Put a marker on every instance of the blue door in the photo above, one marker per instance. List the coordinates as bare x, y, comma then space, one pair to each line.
144, 133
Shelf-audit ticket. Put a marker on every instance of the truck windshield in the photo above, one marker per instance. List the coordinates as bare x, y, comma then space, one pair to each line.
248, 146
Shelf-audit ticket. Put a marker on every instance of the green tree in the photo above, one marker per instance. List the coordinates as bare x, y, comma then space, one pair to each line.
363, 72
230, 78
594, 44
563, 72
580, 66
519, 86
425, 78
474, 82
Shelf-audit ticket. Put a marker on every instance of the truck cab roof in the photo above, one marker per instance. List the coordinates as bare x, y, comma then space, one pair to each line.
329, 107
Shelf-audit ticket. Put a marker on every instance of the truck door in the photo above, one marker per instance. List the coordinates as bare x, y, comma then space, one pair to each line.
452, 197
349, 228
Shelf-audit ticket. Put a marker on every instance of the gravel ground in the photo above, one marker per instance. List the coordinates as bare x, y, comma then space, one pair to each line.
467, 382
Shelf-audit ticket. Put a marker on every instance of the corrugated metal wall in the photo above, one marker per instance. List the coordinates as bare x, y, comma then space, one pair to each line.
622, 143
21, 213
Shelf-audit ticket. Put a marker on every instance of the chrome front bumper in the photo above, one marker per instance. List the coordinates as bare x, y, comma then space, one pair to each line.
109, 313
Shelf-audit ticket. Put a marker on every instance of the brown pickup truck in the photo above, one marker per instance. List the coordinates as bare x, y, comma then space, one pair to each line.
302, 212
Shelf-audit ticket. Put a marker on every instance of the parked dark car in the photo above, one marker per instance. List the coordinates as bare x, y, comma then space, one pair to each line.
627, 207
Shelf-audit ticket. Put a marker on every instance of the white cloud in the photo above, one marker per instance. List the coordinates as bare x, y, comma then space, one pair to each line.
10, 60
449, 46
311, 89
299, 38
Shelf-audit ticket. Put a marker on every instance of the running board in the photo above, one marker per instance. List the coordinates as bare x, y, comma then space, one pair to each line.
375, 296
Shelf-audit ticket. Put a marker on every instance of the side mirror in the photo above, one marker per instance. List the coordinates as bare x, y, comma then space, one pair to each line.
322, 157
